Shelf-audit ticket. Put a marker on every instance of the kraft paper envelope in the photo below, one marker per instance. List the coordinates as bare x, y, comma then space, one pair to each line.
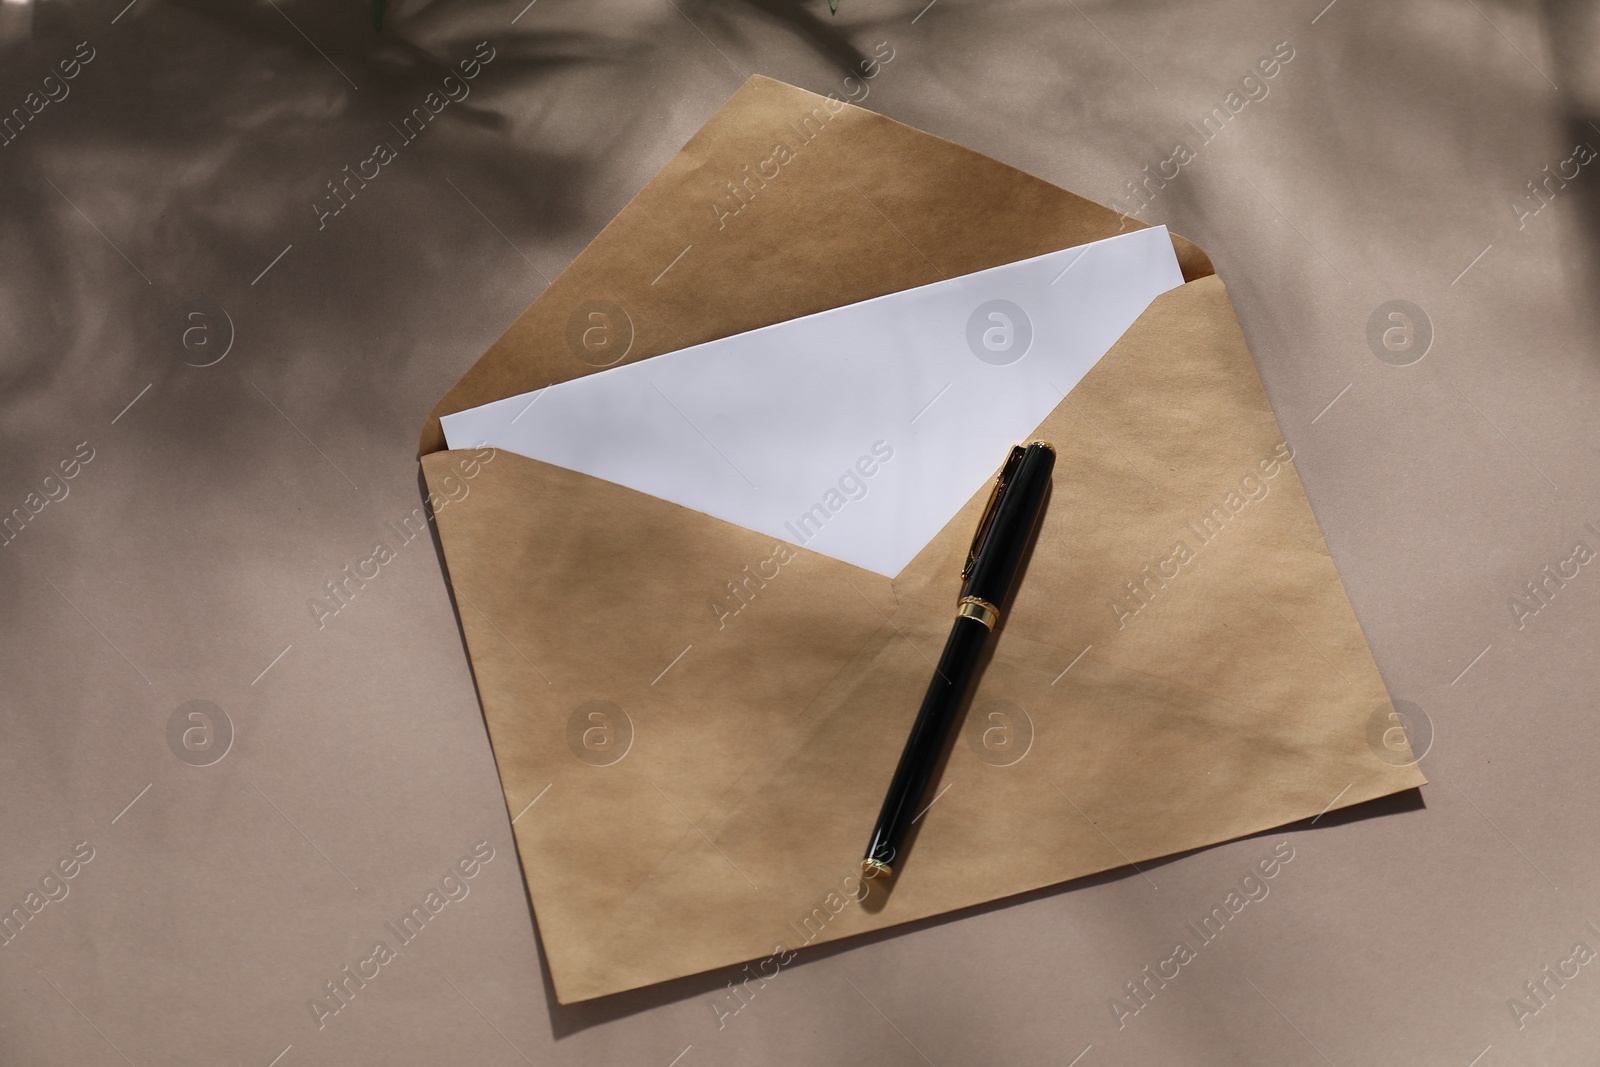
695, 724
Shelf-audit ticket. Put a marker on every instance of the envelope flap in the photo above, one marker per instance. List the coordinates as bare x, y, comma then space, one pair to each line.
873, 198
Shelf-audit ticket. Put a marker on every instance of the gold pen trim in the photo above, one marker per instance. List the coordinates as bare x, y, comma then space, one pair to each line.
876, 869
989, 508
975, 608
997, 490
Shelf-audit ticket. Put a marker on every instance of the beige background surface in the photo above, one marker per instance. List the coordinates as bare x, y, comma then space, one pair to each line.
1382, 165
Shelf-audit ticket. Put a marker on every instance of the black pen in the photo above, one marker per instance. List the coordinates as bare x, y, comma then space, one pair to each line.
992, 563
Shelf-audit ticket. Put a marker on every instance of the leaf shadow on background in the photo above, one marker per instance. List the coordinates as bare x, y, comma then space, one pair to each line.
1573, 29
196, 142
809, 25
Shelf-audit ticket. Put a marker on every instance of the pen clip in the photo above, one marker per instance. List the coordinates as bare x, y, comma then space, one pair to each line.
1001, 480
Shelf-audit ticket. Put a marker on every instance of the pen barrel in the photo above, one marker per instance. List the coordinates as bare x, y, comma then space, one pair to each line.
958, 666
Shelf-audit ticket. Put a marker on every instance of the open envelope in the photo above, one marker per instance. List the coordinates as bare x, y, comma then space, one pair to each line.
694, 723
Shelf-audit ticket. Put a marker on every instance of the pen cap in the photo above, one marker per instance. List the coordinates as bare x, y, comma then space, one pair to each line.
1016, 512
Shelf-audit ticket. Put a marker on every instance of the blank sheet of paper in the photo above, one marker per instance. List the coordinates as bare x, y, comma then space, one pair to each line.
856, 432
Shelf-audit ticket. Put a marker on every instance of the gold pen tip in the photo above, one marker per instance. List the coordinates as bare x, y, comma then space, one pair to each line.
876, 869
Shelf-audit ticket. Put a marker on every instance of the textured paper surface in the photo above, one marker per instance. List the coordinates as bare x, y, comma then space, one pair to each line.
856, 432
1234, 695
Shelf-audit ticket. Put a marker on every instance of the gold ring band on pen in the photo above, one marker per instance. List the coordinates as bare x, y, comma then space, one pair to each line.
974, 608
